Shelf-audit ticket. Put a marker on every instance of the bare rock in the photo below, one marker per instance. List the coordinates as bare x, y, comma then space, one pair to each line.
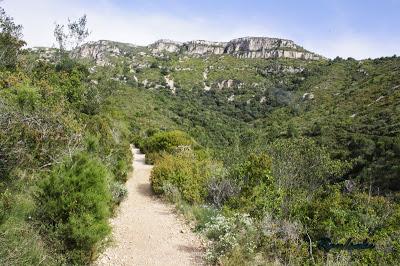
308, 96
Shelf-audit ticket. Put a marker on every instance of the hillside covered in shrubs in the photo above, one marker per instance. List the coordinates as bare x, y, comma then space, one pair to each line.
273, 160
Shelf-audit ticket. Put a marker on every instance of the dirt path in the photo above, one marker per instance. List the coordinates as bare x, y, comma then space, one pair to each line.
146, 231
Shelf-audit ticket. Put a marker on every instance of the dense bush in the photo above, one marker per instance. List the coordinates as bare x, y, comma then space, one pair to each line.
184, 171
74, 205
166, 141
258, 191
230, 233
20, 242
50, 112
122, 162
39, 127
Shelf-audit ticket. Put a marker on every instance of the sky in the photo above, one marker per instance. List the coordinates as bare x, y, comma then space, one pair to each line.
346, 28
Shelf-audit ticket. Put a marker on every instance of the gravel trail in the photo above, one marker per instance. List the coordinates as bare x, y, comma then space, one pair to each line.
146, 231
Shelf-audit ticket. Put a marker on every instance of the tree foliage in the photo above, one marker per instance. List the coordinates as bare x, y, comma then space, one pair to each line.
70, 36
10, 40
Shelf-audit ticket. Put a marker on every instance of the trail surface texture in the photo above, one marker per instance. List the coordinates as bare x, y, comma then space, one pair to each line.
146, 231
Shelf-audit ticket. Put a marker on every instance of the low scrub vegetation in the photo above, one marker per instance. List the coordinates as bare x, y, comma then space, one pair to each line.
278, 206
63, 158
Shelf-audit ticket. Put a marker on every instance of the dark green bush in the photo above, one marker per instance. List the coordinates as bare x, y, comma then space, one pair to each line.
73, 202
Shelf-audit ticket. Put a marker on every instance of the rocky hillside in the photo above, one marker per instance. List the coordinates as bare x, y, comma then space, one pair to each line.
272, 86
248, 47
252, 62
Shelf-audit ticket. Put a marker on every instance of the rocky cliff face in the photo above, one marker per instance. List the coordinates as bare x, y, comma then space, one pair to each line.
101, 51
203, 47
165, 45
261, 47
248, 47
254, 44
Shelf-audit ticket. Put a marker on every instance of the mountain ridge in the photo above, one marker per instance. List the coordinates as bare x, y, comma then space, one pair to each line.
244, 47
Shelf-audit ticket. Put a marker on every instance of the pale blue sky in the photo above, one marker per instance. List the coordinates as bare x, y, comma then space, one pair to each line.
356, 28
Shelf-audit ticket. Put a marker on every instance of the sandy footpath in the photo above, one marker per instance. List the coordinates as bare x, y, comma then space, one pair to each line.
146, 231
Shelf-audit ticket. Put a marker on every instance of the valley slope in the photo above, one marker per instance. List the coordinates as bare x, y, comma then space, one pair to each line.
250, 92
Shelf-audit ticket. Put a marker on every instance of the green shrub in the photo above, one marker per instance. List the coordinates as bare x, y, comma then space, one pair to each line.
27, 98
228, 233
10, 41
237, 256
184, 171
122, 164
283, 240
6, 200
293, 159
20, 242
73, 203
171, 193
258, 191
152, 157
166, 141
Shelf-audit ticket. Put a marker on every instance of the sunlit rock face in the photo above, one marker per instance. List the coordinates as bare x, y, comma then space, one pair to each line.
101, 51
247, 47
165, 45
253, 44
263, 47
201, 47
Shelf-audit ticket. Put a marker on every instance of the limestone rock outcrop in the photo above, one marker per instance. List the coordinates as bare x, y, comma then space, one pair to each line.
102, 50
201, 47
165, 45
247, 47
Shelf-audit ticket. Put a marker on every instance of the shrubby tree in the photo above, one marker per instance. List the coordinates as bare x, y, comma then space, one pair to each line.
301, 163
10, 40
70, 36
73, 203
